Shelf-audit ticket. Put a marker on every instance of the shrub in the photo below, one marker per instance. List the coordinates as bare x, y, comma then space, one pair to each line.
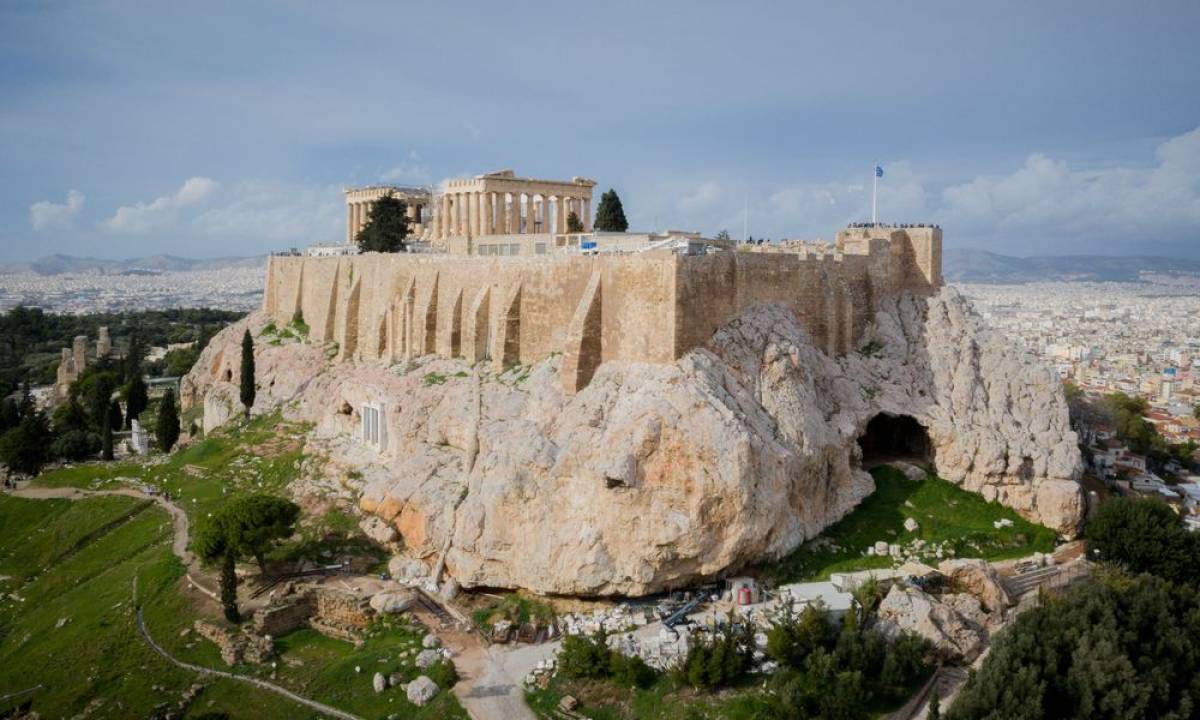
443, 673
584, 657
793, 637
720, 661
76, 445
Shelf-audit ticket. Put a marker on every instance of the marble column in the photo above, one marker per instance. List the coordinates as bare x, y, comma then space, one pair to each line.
586, 217
560, 215
489, 208
349, 223
444, 217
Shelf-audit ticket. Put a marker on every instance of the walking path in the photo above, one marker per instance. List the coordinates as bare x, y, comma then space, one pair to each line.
263, 684
179, 519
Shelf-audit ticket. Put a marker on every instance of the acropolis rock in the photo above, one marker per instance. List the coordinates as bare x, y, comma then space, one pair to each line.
658, 474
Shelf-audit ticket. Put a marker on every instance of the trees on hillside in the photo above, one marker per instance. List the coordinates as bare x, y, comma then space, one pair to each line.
106, 434
1144, 535
387, 226
26, 447
610, 215
248, 389
166, 426
245, 527
1109, 647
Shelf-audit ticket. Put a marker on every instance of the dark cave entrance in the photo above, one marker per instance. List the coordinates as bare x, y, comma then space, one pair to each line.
894, 437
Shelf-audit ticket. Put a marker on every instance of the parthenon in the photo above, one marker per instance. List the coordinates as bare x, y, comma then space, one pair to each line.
498, 203
501, 203
360, 200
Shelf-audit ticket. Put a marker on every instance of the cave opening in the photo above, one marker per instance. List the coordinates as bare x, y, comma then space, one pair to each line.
894, 437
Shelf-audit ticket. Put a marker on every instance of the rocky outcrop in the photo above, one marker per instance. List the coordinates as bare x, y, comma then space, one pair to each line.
980, 579
658, 475
954, 636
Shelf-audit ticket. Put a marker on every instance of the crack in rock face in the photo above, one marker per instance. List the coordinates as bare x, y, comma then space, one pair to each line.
655, 476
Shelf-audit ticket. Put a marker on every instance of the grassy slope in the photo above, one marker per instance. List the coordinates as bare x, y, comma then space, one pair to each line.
40, 543
946, 514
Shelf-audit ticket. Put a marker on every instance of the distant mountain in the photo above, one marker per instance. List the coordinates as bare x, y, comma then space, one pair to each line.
980, 266
150, 265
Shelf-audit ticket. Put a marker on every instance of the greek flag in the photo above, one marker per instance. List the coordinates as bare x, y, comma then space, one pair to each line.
878, 171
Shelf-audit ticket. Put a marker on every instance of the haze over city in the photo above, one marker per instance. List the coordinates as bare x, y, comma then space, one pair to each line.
1031, 128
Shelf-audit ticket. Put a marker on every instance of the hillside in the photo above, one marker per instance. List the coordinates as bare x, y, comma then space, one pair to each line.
963, 265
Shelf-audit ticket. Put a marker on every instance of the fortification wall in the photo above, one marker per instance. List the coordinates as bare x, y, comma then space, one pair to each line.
648, 307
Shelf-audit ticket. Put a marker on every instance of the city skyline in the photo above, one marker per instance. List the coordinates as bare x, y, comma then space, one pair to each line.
232, 130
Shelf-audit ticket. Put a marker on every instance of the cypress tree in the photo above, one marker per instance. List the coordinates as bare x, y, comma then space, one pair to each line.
248, 389
166, 431
610, 215
136, 398
386, 228
229, 587
106, 437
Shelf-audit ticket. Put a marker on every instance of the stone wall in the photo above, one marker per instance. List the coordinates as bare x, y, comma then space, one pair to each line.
284, 616
644, 307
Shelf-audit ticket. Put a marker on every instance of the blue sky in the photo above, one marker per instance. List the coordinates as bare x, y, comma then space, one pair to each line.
229, 128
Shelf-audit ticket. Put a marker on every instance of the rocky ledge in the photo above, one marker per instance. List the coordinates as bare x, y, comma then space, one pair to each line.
655, 476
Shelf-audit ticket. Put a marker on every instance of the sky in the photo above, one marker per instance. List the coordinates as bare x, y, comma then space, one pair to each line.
215, 128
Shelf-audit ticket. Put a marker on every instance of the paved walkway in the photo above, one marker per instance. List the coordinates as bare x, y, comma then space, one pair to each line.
491, 684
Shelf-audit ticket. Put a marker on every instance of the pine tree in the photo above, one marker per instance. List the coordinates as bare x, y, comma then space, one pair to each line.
610, 216
136, 398
26, 447
166, 431
574, 225
386, 228
106, 437
248, 390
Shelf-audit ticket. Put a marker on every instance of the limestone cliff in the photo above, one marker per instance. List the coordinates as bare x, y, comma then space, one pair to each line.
654, 476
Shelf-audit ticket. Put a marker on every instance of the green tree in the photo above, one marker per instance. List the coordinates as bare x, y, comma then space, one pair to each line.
610, 215
135, 356
26, 447
935, 705
75, 445
1144, 535
258, 521
115, 418
574, 225
166, 428
212, 544
245, 526
106, 435
386, 228
69, 416
247, 387
793, 637
137, 398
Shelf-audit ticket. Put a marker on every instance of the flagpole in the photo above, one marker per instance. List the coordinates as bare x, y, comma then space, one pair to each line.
874, 190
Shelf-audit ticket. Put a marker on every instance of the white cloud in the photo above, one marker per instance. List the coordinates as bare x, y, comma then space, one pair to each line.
1047, 198
160, 212
260, 211
412, 171
46, 215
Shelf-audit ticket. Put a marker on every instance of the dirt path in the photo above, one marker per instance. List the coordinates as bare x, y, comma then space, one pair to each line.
262, 684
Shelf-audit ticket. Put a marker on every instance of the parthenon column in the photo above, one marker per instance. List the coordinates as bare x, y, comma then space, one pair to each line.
560, 215
489, 225
349, 225
586, 218
444, 217
472, 214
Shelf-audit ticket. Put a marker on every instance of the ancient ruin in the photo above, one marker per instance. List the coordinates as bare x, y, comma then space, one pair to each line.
621, 414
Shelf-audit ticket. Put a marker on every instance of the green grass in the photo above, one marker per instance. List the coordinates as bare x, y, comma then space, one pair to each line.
514, 607
947, 514
664, 700
96, 659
